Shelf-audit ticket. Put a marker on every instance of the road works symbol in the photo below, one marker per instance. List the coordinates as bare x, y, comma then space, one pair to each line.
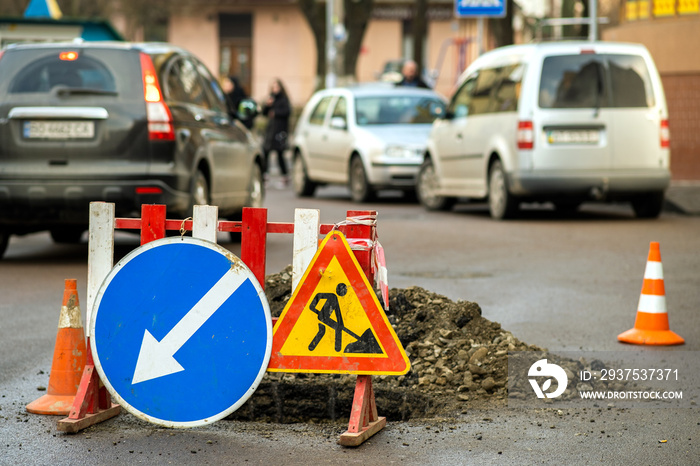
366, 343
181, 332
334, 323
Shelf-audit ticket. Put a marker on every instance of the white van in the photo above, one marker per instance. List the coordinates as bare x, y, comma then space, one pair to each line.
562, 122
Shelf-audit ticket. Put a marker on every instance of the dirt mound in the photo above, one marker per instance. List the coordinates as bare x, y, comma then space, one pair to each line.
458, 360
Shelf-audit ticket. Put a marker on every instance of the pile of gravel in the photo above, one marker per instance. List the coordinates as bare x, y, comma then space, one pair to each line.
458, 360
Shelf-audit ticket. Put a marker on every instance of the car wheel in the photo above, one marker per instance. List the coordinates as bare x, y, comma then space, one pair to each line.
200, 191
4, 241
302, 185
67, 235
360, 189
256, 188
427, 186
648, 205
502, 204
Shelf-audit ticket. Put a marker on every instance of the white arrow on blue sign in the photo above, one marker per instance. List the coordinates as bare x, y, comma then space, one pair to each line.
181, 332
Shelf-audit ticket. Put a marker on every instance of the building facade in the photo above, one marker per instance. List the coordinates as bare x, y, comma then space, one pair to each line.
259, 40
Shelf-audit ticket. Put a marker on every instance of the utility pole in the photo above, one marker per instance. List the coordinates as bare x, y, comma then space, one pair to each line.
331, 51
593, 28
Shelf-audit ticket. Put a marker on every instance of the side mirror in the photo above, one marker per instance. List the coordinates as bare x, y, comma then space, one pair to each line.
247, 109
338, 123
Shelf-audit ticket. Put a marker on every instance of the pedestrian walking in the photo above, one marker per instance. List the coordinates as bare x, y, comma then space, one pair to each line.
234, 95
277, 110
409, 71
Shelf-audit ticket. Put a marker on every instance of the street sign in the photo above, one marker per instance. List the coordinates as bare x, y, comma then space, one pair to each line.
334, 323
476, 8
181, 332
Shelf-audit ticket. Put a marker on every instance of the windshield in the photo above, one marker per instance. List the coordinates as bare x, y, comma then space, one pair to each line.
397, 109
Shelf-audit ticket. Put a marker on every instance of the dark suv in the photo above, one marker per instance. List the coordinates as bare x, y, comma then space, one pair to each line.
128, 123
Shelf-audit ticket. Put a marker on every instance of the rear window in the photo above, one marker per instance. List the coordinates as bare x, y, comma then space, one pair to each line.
594, 81
41, 71
391, 110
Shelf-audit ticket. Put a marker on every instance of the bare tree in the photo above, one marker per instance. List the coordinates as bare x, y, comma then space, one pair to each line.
502, 28
420, 29
315, 14
357, 15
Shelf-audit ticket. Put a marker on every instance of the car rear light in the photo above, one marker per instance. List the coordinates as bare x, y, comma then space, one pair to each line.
148, 190
665, 135
526, 135
160, 120
1, 52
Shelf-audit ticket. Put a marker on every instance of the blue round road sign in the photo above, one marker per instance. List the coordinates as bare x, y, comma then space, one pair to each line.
181, 332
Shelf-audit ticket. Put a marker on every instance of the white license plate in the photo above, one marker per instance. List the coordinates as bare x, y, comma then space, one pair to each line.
59, 129
578, 136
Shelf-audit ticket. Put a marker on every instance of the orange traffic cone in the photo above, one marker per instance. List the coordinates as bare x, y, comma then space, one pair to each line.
69, 357
651, 326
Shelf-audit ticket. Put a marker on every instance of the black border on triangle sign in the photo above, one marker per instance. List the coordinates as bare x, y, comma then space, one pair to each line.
394, 362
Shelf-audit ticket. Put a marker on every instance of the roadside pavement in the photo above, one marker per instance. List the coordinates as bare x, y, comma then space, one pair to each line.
684, 197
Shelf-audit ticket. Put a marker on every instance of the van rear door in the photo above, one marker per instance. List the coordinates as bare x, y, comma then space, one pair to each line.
637, 114
573, 121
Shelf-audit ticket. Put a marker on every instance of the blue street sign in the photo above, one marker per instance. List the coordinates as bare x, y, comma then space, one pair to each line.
181, 332
476, 8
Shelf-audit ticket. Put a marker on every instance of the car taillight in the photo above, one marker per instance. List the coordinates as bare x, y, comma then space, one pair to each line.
1, 52
526, 135
665, 135
160, 120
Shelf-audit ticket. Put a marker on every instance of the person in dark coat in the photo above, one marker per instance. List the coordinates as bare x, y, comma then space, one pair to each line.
234, 94
277, 109
409, 71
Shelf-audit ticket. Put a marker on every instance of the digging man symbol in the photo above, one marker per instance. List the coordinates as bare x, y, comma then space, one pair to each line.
366, 343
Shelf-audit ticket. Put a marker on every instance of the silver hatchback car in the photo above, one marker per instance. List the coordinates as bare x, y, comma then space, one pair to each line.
369, 137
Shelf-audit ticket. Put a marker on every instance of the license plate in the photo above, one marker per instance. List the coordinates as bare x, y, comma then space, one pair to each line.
59, 129
578, 136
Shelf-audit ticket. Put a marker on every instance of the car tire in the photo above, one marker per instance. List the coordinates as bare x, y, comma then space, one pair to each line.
4, 241
302, 185
426, 188
67, 235
199, 194
502, 204
648, 205
360, 189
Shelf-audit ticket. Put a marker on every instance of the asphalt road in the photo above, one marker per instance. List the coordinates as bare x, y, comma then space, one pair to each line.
564, 283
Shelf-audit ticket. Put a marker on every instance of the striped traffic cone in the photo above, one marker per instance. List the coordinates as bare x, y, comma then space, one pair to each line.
651, 325
69, 357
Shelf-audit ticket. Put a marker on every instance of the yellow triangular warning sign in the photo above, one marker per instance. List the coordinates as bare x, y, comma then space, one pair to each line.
334, 323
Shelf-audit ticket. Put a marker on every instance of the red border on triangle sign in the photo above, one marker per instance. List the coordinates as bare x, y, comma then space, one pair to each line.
301, 341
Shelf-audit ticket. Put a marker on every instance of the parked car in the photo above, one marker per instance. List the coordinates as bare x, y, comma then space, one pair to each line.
368, 137
561, 122
128, 123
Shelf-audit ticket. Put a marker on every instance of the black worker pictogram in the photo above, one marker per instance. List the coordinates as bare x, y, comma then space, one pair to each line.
366, 343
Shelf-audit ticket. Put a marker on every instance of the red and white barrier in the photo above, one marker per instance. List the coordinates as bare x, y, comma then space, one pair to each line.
92, 403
